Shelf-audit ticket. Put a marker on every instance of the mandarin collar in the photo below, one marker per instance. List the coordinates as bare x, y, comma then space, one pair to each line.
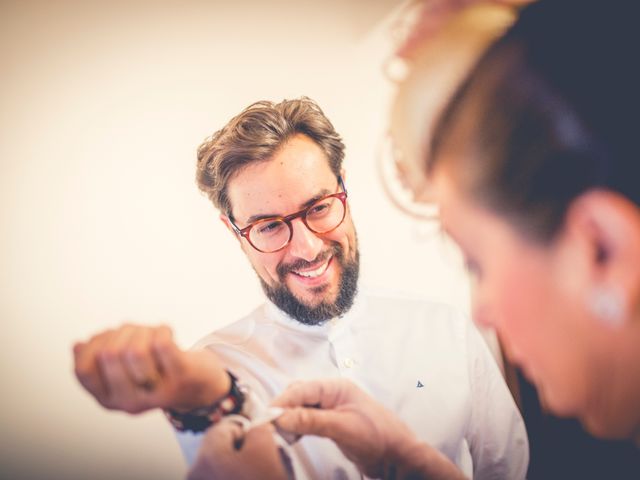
328, 329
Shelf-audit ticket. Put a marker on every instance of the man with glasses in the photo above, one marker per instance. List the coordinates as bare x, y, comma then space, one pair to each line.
275, 173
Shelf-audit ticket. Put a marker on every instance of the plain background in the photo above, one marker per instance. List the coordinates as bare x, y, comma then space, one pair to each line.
102, 107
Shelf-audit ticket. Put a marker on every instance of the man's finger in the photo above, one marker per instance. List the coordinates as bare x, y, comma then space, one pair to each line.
122, 391
166, 352
86, 366
140, 361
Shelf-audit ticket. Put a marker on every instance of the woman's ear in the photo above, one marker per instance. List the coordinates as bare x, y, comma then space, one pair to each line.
608, 225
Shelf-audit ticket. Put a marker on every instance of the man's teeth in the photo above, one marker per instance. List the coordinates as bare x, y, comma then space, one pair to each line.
313, 273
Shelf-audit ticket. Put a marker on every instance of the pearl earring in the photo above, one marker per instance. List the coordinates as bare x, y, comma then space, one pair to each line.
607, 304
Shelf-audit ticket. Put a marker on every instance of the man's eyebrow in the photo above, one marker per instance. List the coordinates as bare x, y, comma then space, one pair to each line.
322, 193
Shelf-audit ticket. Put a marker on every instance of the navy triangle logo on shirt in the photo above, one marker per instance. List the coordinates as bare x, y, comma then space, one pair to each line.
420, 385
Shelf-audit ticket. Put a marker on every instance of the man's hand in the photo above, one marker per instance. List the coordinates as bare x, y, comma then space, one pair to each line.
366, 432
137, 368
227, 453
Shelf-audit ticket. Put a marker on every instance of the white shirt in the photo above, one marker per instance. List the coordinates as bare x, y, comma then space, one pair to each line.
423, 361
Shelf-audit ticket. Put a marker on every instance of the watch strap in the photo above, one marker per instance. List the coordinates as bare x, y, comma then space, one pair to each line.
201, 418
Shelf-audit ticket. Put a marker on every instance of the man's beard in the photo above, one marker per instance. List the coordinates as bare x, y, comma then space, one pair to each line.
286, 301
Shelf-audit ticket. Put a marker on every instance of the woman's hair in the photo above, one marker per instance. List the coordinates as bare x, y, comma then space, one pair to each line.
255, 135
547, 113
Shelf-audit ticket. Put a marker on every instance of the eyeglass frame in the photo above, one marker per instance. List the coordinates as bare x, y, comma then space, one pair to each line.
302, 214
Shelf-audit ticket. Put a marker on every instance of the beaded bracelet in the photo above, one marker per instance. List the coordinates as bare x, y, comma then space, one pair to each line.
199, 419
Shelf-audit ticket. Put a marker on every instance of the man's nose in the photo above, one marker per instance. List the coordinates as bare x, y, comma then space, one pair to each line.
305, 244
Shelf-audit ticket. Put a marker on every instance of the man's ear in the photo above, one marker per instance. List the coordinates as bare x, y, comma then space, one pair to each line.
343, 175
608, 224
225, 219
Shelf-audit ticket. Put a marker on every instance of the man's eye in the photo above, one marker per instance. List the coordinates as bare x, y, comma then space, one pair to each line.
269, 228
318, 209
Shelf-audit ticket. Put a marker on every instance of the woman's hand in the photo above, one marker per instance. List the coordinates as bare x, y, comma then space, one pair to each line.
366, 432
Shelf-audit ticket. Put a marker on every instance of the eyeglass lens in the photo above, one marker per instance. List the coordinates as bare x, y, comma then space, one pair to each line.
321, 217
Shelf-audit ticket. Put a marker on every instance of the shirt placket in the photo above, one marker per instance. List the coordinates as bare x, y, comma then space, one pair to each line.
345, 351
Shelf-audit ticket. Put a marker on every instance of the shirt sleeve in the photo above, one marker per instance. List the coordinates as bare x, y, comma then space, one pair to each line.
189, 441
496, 431
311, 457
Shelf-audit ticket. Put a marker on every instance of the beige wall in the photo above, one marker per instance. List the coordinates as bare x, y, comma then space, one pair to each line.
102, 108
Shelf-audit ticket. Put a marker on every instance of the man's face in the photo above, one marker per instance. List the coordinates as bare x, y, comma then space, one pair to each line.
314, 278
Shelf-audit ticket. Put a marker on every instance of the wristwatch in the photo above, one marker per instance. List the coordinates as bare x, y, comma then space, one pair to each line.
199, 419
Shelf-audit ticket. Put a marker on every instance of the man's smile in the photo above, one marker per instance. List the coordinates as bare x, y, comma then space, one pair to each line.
314, 275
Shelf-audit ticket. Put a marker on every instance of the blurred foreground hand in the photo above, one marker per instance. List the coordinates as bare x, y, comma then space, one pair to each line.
228, 453
372, 437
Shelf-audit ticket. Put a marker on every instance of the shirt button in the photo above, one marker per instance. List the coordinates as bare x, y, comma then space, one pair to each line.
348, 362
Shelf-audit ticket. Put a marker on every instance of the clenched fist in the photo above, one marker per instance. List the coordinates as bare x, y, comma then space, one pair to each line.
136, 368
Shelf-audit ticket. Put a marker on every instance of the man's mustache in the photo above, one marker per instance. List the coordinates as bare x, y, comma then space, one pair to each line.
284, 268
